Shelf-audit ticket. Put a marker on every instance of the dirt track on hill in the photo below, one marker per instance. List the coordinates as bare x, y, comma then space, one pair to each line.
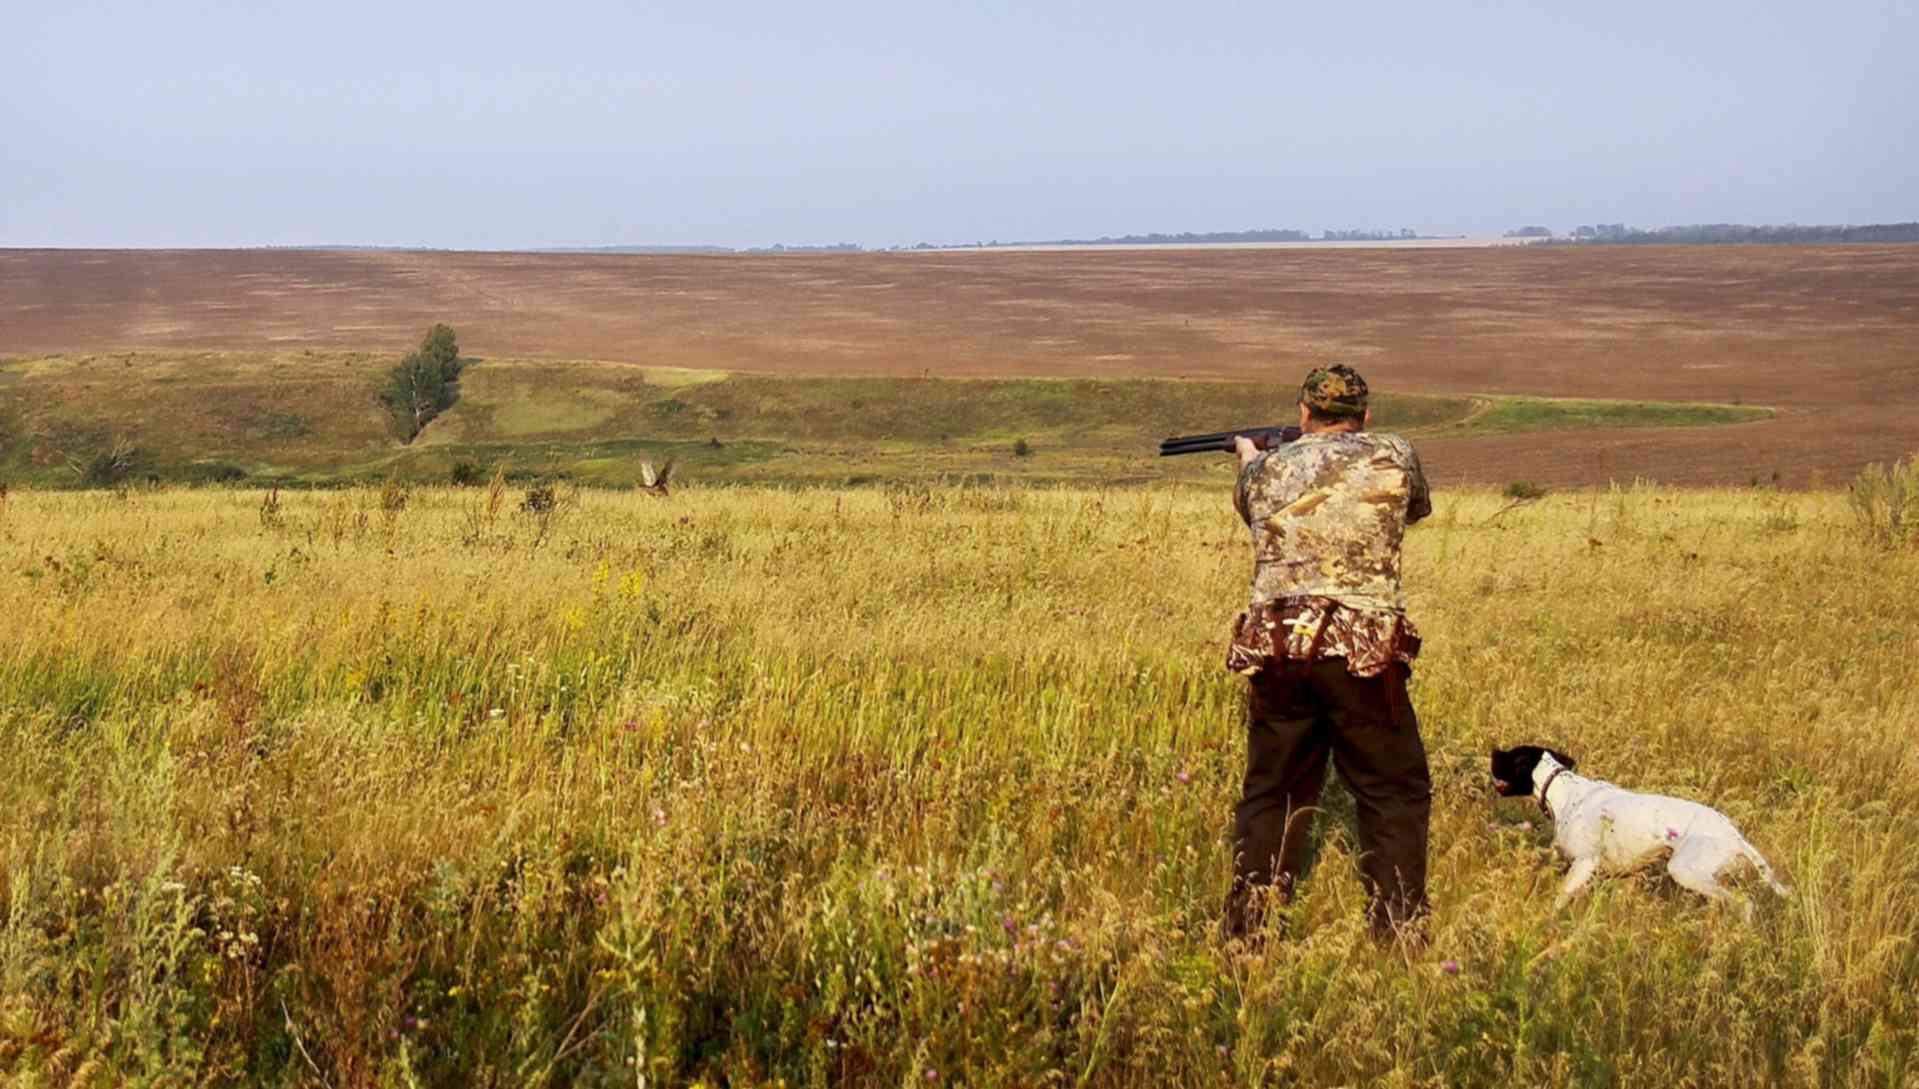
1830, 335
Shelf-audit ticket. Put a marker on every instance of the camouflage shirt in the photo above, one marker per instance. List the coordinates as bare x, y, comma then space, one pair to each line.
1327, 514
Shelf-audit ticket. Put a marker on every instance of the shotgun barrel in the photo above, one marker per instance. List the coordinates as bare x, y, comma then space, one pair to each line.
1222, 441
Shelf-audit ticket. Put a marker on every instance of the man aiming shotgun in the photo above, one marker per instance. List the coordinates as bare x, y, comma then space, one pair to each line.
1326, 648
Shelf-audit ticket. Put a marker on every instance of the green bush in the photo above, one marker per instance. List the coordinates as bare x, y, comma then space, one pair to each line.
1885, 503
1524, 489
1022, 450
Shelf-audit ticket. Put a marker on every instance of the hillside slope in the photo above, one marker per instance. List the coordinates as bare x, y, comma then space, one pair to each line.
313, 417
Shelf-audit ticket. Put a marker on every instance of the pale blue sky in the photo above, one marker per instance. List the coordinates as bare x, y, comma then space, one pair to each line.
486, 124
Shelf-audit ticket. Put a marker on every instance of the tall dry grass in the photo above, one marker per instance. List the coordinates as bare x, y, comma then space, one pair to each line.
921, 785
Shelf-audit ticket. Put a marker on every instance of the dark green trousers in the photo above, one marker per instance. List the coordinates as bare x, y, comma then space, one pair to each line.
1299, 714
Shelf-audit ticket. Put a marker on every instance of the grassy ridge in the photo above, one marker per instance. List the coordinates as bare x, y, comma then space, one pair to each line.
1507, 415
312, 417
924, 785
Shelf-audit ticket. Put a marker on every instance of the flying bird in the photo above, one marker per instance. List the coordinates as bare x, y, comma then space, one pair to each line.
655, 483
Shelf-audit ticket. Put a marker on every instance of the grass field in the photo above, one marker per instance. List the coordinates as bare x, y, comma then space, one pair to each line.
311, 417
908, 785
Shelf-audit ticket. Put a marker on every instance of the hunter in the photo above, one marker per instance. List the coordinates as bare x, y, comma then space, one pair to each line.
1327, 650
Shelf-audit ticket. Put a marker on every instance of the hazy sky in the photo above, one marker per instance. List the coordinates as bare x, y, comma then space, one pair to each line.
490, 124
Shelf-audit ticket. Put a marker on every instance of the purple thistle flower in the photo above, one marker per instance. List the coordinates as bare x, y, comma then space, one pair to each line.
1450, 967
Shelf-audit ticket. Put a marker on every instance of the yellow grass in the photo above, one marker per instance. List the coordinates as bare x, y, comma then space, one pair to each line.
909, 785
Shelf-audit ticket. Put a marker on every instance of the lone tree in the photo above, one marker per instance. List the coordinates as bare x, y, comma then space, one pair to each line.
423, 385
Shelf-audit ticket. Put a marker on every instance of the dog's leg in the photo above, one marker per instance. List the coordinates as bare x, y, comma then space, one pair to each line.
1696, 865
1765, 872
1576, 878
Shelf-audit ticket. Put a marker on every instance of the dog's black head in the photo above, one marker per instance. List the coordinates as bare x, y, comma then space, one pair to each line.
1513, 768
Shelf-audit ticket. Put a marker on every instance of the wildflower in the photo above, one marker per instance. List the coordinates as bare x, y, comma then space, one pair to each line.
1525, 826
1672, 833
1184, 777
659, 817
497, 712
1009, 924
1450, 967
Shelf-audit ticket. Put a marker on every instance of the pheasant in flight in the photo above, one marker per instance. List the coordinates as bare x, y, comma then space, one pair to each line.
655, 483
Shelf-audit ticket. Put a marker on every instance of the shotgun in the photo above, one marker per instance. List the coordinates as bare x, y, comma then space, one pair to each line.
1263, 437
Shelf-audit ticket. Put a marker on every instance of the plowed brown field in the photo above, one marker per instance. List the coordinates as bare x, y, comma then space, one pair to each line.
1828, 335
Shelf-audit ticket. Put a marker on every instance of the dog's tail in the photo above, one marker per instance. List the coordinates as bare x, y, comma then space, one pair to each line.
1759, 863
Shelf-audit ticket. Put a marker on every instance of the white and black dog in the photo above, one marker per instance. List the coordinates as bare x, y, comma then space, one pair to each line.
1596, 824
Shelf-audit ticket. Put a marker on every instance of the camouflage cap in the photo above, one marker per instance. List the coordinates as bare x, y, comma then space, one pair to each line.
1337, 390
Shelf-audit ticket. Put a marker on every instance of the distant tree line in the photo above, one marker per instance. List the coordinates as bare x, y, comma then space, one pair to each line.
424, 383
1157, 238
1730, 234
841, 247
1191, 238
1402, 234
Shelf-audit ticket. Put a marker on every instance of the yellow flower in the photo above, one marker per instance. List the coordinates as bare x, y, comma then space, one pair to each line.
633, 583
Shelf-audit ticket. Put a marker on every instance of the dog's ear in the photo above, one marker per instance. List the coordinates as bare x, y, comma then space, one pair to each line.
1565, 761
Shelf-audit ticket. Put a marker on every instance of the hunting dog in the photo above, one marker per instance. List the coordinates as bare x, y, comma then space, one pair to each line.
1597, 824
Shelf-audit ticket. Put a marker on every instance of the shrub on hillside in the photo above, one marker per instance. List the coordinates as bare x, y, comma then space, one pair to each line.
105, 468
422, 386
1524, 489
1022, 449
212, 472
1885, 503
